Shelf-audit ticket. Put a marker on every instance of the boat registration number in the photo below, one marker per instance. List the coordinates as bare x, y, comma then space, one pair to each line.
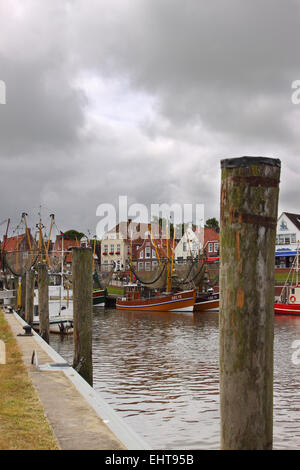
176, 297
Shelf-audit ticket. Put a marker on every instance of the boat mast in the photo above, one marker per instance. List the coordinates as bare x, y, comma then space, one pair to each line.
62, 271
297, 264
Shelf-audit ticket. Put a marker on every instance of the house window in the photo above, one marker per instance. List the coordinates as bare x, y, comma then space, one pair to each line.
293, 238
148, 266
141, 266
153, 254
184, 246
141, 254
112, 249
216, 247
154, 264
118, 249
105, 265
210, 247
147, 252
105, 249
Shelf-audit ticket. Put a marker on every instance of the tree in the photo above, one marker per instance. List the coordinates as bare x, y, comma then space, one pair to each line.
73, 235
212, 223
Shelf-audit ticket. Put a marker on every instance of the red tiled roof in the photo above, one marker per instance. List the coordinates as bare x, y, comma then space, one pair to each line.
19, 242
210, 235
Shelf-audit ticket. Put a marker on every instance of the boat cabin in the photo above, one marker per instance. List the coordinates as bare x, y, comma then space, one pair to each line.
131, 291
290, 295
294, 295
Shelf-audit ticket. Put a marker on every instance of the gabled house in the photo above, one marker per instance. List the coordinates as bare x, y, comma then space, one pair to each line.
116, 243
67, 245
287, 238
146, 255
17, 243
211, 243
190, 244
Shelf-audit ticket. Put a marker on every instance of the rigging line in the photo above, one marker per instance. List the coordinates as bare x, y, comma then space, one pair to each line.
148, 282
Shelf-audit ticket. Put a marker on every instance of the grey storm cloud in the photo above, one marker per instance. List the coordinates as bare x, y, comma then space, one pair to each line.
143, 99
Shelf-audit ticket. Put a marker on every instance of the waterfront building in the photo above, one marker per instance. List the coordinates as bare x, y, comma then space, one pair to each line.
287, 238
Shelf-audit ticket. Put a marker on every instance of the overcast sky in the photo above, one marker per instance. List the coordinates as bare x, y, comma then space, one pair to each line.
142, 98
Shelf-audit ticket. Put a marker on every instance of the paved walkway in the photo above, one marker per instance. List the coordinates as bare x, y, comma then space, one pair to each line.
75, 424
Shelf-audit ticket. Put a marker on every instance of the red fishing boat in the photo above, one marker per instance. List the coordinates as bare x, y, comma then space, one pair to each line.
289, 300
207, 301
182, 301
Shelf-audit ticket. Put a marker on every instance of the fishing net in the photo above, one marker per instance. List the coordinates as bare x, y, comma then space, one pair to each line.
189, 274
19, 262
103, 274
155, 279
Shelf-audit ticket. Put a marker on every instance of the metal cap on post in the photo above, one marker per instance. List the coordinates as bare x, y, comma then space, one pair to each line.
249, 201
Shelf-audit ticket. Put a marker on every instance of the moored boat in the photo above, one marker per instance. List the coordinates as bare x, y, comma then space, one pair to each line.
289, 303
289, 300
99, 296
182, 301
207, 301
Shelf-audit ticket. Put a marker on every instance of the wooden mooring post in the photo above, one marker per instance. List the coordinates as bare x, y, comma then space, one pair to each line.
30, 278
82, 311
249, 200
23, 295
43, 290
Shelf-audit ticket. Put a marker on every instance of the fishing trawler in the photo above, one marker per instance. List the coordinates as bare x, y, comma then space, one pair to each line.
182, 301
207, 301
148, 296
289, 300
99, 296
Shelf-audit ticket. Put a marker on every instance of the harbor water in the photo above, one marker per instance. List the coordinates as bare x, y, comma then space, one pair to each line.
160, 372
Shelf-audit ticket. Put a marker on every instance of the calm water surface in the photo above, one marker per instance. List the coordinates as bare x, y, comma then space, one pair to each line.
159, 371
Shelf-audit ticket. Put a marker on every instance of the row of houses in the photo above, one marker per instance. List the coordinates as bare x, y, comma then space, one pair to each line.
142, 245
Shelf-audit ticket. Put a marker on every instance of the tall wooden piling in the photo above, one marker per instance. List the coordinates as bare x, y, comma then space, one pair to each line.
43, 290
249, 200
30, 278
82, 311
23, 295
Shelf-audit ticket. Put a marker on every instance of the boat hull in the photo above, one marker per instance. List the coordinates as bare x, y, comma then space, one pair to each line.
57, 325
204, 305
287, 309
178, 302
99, 297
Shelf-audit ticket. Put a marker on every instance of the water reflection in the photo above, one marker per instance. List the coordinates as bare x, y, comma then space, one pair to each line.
160, 372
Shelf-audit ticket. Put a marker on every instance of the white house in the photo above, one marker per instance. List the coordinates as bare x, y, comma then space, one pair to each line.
287, 238
190, 244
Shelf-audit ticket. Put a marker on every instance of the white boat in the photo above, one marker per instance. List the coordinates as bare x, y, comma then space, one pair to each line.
60, 307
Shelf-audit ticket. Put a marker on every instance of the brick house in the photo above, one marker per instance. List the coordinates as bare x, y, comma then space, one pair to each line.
144, 252
55, 254
116, 243
211, 243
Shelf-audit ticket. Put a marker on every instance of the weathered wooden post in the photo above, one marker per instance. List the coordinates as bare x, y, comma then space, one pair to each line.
43, 282
82, 311
29, 297
23, 295
249, 199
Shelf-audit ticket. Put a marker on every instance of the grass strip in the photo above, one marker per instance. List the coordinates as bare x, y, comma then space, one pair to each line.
23, 425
